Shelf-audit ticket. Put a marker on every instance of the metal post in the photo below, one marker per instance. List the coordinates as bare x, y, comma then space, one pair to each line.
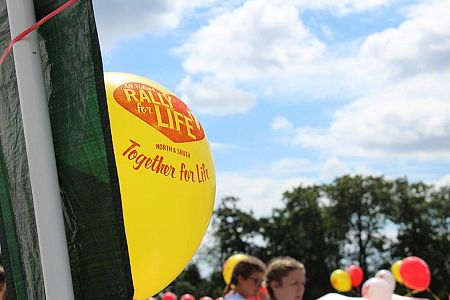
40, 152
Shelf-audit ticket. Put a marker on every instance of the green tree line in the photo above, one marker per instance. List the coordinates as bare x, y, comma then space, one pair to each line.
369, 221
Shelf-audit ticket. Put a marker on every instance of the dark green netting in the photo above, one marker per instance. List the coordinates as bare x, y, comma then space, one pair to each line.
18, 231
87, 175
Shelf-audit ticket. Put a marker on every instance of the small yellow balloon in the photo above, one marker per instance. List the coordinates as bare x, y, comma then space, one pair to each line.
229, 265
341, 281
395, 269
166, 178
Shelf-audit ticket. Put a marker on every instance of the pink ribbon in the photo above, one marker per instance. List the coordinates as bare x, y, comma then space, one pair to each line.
34, 27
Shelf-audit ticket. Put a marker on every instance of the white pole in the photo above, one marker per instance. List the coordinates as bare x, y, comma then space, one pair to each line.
41, 155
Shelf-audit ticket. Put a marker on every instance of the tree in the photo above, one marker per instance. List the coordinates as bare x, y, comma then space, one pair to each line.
423, 218
333, 225
358, 209
235, 231
187, 282
191, 282
298, 230
439, 214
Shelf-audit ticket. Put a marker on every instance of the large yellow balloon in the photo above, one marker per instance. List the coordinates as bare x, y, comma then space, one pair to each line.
166, 178
229, 265
395, 269
341, 281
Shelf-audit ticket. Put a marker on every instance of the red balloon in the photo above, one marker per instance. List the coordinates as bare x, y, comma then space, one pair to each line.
356, 275
187, 297
415, 273
205, 298
169, 296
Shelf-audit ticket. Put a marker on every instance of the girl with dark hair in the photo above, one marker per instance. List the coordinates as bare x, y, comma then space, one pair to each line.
285, 279
246, 279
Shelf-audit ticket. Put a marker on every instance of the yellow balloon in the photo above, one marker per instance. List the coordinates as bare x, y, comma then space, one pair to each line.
229, 265
341, 281
166, 178
395, 269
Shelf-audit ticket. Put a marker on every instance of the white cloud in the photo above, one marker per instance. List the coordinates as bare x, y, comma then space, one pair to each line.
410, 119
119, 20
292, 166
406, 114
215, 97
260, 194
252, 45
326, 31
264, 193
333, 168
276, 54
399, 76
259, 43
265, 44
281, 123
419, 45
249, 40
343, 7
443, 181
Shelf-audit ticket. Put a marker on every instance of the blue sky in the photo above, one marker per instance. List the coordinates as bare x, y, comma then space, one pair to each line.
297, 91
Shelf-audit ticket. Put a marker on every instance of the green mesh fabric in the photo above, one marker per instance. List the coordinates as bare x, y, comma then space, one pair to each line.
20, 250
87, 175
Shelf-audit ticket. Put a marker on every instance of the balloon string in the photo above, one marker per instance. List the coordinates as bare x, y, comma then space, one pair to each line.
34, 27
412, 293
357, 290
433, 294
428, 290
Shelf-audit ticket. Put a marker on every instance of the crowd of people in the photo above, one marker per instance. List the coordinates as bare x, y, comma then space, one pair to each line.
284, 279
